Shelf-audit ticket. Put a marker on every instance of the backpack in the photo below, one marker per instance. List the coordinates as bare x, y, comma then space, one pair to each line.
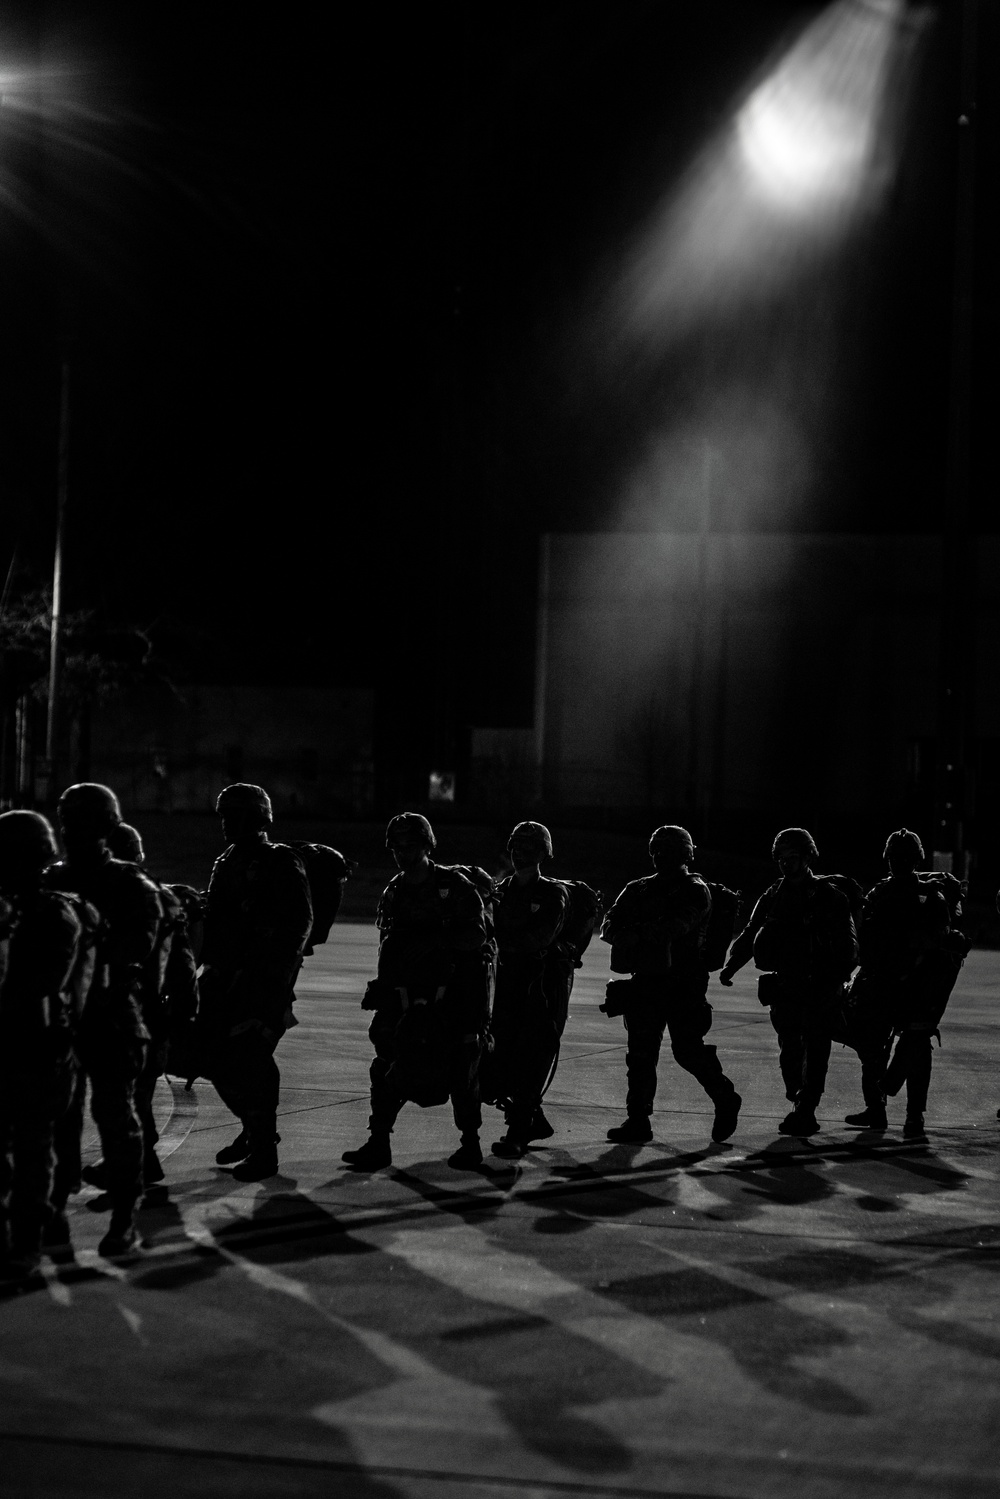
582, 915
484, 887
327, 872
721, 925
853, 892
85, 964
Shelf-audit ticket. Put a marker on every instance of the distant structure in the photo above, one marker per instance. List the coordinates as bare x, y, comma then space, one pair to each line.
172, 752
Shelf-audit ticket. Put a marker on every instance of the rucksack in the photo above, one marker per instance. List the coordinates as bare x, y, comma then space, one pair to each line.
484, 887
582, 915
327, 872
853, 892
85, 963
721, 924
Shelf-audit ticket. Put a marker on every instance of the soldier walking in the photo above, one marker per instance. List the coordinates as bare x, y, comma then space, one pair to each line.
431, 997
801, 932
533, 984
47, 968
657, 929
257, 924
911, 953
112, 1037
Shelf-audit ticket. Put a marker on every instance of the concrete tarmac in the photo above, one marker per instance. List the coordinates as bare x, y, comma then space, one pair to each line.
766, 1319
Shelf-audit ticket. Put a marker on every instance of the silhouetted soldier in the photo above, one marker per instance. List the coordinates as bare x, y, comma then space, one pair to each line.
532, 989
431, 997
657, 929
801, 932
169, 999
48, 955
112, 1037
910, 958
257, 924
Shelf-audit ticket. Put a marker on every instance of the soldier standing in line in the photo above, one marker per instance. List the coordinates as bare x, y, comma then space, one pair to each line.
431, 997
801, 932
257, 924
910, 958
49, 963
169, 999
112, 1037
532, 990
657, 929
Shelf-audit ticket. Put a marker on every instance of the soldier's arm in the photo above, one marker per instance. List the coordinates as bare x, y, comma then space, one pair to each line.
742, 949
56, 951
290, 917
621, 926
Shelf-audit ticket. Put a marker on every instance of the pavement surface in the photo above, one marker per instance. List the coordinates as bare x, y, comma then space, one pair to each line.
764, 1318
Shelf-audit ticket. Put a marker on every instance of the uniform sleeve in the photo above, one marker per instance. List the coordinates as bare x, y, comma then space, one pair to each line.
55, 955
620, 923
742, 949
291, 914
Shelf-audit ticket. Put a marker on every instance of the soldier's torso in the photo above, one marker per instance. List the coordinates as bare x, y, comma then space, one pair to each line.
37, 1020
527, 918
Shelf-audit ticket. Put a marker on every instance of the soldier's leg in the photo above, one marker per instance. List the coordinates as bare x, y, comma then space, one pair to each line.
787, 1022
919, 1058
644, 1025
114, 1070
247, 1079
6, 1170
144, 1090
386, 1100
467, 1113
816, 1060
67, 1133
35, 1104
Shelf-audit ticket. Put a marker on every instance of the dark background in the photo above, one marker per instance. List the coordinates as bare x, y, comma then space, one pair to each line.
323, 278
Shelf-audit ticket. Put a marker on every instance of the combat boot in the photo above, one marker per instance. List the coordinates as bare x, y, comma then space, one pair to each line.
540, 1128
96, 1175
870, 1118
122, 1236
800, 1121
635, 1131
727, 1113
510, 1146
237, 1151
374, 1153
913, 1127
469, 1154
263, 1158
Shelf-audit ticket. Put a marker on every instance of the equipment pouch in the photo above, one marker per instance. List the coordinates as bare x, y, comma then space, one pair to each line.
769, 988
617, 995
378, 995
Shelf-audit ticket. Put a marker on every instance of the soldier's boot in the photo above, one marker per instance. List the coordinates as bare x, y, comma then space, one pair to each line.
122, 1236
237, 1151
540, 1128
514, 1143
727, 1113
97, 1174
262, 1161
870, 1118
913, 1127
469, 1154
873, 1115
373, 1154
801, 1121
55, 1233
635, 1131
152, 1170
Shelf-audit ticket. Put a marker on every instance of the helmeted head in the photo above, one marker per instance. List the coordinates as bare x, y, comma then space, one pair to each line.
409, 827
671, 846
27, 846
245, 811
88, 812
529, 843
903, 851
794, 850
125, 843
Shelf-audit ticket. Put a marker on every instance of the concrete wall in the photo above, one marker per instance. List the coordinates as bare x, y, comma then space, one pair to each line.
311, 747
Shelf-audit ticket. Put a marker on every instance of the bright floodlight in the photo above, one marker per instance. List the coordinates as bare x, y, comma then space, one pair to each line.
809, 132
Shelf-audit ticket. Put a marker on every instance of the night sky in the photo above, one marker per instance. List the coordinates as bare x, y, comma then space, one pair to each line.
326, 291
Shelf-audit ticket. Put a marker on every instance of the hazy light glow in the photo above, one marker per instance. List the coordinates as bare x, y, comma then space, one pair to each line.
808, 134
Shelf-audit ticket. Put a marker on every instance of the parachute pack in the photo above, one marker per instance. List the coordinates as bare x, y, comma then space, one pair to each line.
327, 872
582, 916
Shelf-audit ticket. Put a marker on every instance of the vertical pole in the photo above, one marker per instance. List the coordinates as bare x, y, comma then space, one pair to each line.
542, 659
57, 570
959, 581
